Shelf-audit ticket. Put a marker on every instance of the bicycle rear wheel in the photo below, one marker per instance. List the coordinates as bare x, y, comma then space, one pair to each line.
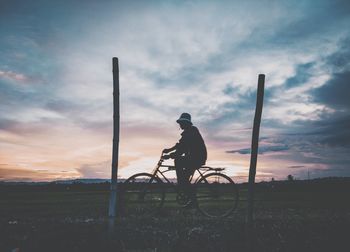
142, 194
217, 195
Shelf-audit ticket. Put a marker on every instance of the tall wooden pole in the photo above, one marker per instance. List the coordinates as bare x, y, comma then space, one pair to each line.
253, 160
115, 150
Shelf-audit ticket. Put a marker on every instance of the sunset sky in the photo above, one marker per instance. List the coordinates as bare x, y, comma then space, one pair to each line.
200, 57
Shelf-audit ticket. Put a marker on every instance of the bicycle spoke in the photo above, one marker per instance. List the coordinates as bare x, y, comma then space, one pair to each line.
142, 194
217, 195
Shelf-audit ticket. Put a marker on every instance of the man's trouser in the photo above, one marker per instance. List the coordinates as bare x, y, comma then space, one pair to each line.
185, 167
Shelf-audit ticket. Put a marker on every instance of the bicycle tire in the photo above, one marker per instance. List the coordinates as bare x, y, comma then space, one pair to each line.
142, 194
216, 195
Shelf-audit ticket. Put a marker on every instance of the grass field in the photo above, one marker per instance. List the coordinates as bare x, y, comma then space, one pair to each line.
289, 217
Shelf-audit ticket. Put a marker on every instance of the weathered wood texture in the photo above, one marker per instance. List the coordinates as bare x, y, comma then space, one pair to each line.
115, 151
253, 160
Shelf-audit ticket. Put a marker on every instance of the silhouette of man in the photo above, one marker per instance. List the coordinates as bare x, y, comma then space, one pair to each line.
189, 153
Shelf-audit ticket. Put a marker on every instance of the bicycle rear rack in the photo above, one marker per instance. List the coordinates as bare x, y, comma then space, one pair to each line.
208, 168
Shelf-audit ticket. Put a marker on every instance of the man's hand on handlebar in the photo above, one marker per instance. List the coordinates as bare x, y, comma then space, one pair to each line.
166, 150
171, 155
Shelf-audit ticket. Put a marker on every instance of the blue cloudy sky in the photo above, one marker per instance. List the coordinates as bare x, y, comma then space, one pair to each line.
201, 57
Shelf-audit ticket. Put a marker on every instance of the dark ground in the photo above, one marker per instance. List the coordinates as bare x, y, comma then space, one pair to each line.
290, 216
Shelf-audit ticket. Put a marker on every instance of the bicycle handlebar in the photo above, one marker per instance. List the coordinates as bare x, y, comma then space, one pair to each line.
219, 169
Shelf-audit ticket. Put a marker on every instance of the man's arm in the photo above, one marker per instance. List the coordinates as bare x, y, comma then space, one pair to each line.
179, 147
170, 149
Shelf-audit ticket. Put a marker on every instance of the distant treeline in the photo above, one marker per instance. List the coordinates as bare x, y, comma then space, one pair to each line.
54, 187
334, 184
331, 184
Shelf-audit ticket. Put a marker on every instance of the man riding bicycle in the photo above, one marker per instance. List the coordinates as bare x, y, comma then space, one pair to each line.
189, 153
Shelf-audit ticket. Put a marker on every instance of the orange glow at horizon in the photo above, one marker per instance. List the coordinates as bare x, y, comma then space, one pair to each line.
73, 152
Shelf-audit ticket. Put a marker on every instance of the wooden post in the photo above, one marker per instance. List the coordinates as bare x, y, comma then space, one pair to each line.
253, 161
115, 150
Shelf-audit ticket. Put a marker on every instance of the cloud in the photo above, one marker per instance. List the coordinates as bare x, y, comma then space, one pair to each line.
335, 92
333, 128
13, 76
201, 57
262, 149
96, 170
11, 173
296, 166
302, 75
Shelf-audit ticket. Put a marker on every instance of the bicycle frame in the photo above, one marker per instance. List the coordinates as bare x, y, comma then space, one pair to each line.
157, 170
199, 196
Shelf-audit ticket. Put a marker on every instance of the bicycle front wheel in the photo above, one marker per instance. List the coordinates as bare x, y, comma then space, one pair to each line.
142, 194
217, 195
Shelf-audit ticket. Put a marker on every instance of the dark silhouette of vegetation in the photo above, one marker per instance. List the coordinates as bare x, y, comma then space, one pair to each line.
290, 177
299, 216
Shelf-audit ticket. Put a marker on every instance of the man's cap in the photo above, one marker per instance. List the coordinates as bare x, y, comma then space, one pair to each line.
185, 117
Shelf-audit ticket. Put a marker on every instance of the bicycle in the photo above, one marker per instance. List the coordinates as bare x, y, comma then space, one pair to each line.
216, 195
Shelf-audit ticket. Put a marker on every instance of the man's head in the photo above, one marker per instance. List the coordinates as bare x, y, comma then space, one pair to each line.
184, 121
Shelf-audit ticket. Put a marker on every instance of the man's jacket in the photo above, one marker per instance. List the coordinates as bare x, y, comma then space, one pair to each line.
192, 145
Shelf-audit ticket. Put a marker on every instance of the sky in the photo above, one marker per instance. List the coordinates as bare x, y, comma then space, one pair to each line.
201, 57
